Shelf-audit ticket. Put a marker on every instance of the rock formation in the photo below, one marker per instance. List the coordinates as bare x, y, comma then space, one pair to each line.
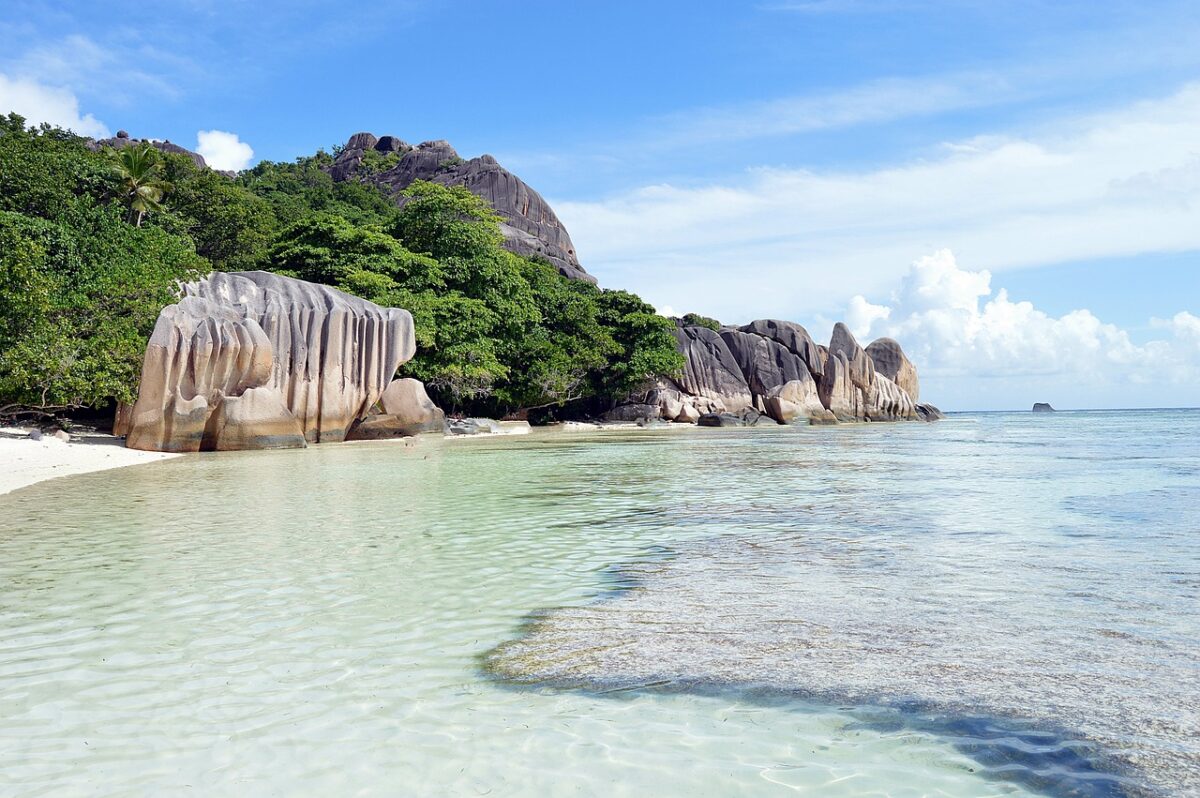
774, 368
404, 409
891, 362
1042, 407
122, 140
530, 227
253, 360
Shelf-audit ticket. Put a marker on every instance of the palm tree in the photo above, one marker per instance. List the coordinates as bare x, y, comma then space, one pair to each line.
139, 169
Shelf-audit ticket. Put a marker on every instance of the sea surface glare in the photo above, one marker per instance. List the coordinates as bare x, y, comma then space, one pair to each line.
993, 605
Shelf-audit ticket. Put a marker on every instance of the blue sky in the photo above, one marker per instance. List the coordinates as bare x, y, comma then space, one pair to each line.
810, 159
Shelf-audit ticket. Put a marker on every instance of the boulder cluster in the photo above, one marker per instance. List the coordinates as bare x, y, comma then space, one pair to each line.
771, 371
529, 224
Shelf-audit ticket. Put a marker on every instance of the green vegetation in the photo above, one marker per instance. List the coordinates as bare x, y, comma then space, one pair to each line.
93, 244
696, 320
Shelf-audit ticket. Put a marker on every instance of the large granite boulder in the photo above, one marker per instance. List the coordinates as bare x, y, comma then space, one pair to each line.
793, 337
887, 401
403, 410
891, 362
839, 395
711, 372
530, 226
859, 367
764, 362
252, 360
797, 401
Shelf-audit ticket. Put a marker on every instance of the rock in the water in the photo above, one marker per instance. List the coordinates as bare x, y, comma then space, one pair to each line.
688, 415
886, 401
720, 420
797, 401
838, 394
252, 360
747, 417
927, 412
473, 426
530, 226
1042, 407
891, 362
403, 410
35, 434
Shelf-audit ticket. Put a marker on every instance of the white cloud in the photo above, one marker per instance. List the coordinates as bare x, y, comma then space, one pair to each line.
40, 103
668, 311
953, 325
791, 243
223, 150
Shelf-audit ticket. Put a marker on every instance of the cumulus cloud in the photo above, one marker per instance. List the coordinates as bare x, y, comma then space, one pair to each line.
223, 150
954, 325
39, 103
1121, 183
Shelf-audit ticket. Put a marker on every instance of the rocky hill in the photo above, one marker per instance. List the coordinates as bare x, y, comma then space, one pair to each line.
530, 226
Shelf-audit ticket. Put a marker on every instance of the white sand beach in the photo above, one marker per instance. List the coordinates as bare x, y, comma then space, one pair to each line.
25, 462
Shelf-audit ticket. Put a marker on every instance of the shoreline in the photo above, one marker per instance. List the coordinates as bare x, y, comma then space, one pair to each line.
28, 462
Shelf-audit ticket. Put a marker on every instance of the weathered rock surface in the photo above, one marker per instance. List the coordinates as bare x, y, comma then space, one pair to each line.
793, 337
1042, 407
747, 417
252, 360
859, 367
886, 401
927, 412
530, 226
838, 394
797, 401
763, 362
775, 368
710, 372
403, 410
891, 362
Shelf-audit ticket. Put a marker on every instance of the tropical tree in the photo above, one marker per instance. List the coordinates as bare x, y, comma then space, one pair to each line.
139, 169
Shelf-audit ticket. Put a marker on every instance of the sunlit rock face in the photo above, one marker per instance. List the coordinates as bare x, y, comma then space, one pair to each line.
776, 368
253, 360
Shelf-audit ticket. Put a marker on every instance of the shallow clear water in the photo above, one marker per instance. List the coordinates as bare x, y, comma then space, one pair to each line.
993, 605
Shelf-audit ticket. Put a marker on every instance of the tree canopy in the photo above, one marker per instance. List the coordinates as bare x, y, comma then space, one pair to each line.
93, 244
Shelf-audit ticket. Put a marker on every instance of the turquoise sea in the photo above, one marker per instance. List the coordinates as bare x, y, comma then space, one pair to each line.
993, 605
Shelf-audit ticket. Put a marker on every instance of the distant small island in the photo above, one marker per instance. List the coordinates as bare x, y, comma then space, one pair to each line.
1042, 407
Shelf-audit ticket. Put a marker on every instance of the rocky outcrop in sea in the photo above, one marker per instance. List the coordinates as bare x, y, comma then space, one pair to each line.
254, 360
772, 369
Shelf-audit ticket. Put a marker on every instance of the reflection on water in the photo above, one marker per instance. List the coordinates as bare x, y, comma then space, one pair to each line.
314, 622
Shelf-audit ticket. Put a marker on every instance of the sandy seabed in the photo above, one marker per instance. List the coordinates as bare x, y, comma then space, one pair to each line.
25, 462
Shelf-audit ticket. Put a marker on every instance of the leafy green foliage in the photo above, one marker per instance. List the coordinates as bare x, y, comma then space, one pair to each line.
93, 245
138, 169
696, 320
